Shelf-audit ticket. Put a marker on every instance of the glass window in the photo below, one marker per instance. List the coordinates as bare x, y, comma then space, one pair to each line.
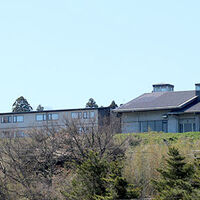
187, 127
80, 115
40, 117
194, 127
6, 119
158, 126
151, 126
144, 127
92, 114
17, 119
74, 115
53, 116
85, 115
164, 127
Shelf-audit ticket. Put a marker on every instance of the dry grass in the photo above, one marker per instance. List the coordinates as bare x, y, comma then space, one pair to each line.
147, 153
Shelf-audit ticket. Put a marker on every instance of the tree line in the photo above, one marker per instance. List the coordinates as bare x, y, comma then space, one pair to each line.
21, 105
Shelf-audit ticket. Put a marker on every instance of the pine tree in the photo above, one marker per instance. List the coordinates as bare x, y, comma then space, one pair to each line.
98, 179
21, 105
113, 105
176, 180
91, 104
40, 108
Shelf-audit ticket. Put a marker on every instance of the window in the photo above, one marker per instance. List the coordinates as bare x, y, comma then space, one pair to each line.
53, 116
80, 115
85, 115
187, 125
154, 125
41, 117
74, 115
159, 126
6, 119
144, 126
92, 114
18, 118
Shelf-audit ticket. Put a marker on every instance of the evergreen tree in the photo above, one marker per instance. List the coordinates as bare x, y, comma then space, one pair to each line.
91, 104
40, 108
21, 105
98, 179
113, 105
177, 177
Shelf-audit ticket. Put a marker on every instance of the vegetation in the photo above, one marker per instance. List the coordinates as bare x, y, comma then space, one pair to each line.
97, 164
21, 105
177, 178
91, 104
113, 105
40, 108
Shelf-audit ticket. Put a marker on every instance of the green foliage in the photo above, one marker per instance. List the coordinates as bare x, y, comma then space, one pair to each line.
21, 105
91, 103
40, 108
113, 105
177, 178
98, 179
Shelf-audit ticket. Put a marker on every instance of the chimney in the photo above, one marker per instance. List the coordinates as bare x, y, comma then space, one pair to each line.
163, 87
197, 89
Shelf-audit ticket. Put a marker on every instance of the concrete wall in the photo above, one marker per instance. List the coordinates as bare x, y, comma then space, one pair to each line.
31, 122
130, 121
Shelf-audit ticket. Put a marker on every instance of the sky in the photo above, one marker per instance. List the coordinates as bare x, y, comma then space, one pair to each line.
61, 53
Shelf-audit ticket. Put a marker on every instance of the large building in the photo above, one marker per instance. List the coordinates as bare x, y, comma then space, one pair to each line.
18, 124
162, 110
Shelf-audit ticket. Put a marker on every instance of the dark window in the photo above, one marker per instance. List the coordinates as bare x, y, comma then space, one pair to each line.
144, 127
158, 126
187, 127
80, 115
6, 119
155, 125
85, 115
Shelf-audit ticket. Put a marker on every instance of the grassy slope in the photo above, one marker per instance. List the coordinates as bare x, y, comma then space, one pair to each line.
160, 137
146, 152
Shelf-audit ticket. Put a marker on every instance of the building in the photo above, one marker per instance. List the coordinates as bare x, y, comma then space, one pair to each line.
162, 110
18, 123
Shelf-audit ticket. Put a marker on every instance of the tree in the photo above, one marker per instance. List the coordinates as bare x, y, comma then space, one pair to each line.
177, 177
40, 108
98, 179
91, 103
21, 105
113, 105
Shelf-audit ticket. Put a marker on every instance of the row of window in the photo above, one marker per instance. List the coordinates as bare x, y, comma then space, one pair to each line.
155, 125
44, 117
84, 115
10, 119
49, 117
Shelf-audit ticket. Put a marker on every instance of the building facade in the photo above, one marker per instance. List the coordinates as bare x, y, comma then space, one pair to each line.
163, 110
18, 124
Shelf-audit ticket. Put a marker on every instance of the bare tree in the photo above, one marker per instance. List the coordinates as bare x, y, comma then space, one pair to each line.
32, 165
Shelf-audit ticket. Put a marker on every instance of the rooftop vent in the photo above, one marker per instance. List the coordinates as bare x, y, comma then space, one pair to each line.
163, 87
197, 89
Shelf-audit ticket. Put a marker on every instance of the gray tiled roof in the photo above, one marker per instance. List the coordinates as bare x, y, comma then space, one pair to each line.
158, 100
194, 108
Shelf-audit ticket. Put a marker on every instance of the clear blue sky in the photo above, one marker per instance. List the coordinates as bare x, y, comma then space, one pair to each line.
61, 53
